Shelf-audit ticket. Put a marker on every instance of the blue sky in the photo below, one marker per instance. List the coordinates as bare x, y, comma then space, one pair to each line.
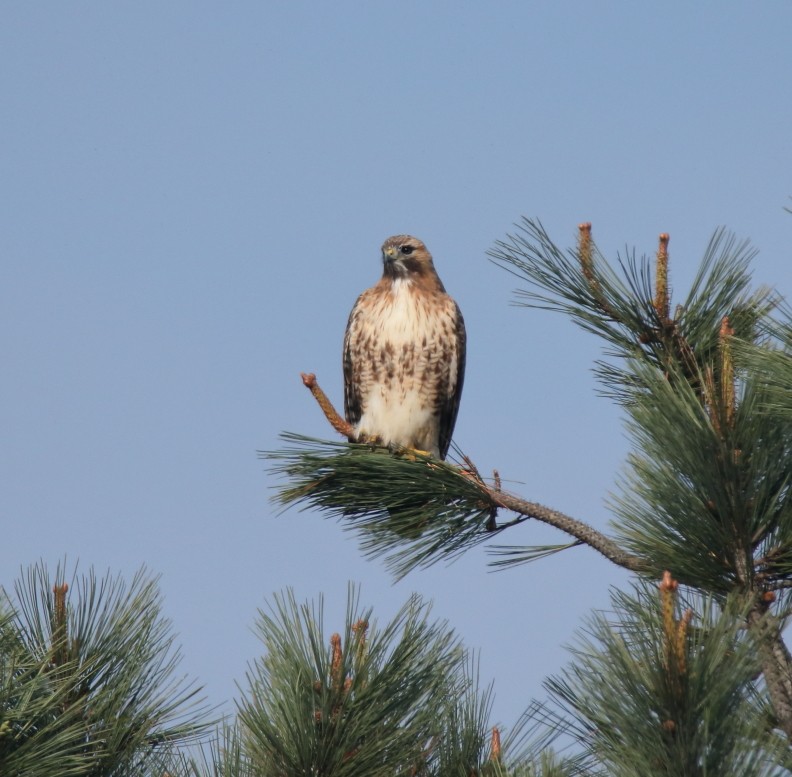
195, 193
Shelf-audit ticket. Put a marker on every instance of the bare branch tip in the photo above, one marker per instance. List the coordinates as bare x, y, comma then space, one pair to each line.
668, 583
495, 745
342, 426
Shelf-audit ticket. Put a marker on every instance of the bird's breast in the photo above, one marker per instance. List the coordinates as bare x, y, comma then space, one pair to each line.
408, 358
404, 359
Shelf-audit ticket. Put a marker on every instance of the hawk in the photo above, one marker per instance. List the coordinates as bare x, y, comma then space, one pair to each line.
404, 354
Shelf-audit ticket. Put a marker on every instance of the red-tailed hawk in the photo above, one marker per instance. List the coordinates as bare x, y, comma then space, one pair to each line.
404, 354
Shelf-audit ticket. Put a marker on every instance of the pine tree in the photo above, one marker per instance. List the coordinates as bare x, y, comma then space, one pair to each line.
704, 506
688, 676
399, 700
86, 679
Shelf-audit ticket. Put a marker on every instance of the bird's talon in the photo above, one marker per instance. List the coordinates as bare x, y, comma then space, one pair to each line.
413, 454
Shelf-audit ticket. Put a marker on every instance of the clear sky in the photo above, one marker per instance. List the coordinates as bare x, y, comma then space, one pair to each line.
193, 195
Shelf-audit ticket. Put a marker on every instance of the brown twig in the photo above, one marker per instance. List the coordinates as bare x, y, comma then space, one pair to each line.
776, 663
661, 300
495, 745
577, 529
586, 258
60, 633
472, 469
331, 414
728, 393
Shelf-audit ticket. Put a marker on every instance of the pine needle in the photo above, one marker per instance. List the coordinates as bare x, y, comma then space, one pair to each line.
413, 509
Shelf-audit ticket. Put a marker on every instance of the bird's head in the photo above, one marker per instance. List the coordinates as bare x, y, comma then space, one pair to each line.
406, 257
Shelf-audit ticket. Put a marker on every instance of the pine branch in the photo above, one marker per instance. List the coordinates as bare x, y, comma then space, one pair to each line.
630, 309
87, 677
775, 659
584, 533
414, 509
666, 686
708, 490
368, 701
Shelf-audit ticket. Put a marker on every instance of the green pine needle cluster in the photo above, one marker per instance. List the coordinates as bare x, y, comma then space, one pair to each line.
369, 701
654, 690
771, 365
713, 503
707, 489
621, 307
411, 508
87, 678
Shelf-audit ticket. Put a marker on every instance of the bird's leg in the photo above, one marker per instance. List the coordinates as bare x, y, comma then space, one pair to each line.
331, 414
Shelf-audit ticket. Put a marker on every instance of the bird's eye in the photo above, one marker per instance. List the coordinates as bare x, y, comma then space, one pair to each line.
407, 250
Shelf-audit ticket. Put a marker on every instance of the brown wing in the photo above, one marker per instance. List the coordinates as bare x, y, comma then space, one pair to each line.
449, 406
353, 338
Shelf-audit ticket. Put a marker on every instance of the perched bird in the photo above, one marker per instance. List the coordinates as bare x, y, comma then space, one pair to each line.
404, 354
